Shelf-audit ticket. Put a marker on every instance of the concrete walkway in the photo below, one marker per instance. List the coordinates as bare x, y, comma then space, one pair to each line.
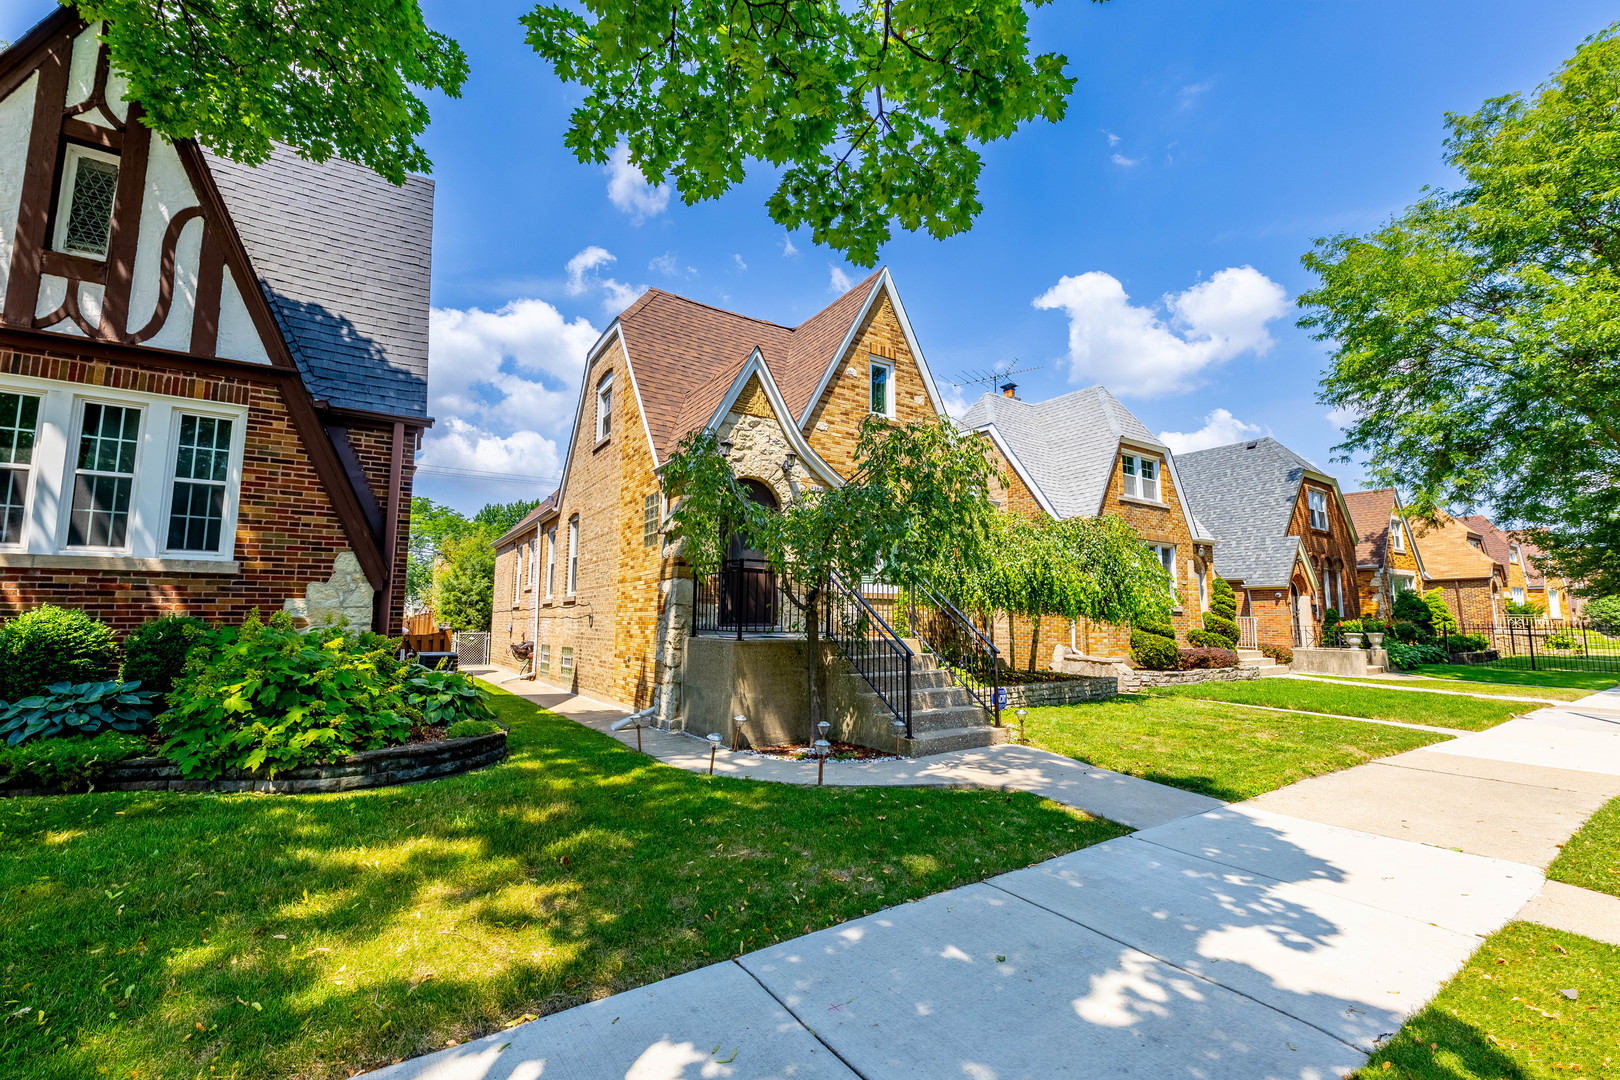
1389, 681
1281, 937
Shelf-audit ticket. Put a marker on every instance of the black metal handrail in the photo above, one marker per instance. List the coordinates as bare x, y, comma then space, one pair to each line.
744, 599
871, 646
971, 658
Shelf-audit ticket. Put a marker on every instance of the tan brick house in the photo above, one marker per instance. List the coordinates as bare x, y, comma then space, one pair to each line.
1387, 558
587, 576
1080, 455
1555, 593
213, 378
1287, 544
1457, 562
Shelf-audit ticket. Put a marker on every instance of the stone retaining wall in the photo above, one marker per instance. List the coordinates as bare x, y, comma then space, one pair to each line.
1132, 681
368, 769
1065, 692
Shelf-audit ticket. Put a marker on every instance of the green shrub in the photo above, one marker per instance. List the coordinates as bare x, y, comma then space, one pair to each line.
73, 764
1222, 600
445, 697
267, 697
51, 645
1563, 639
1441, 620
155, 652
1205, 639
1604, 613
1410, 607
1467, 643
1223, 628
1407, 632
1529, 607
1351, 626
1406, 657
77, 709
1331, 624
1154, 651
469, 729
1280, 653
1373, 626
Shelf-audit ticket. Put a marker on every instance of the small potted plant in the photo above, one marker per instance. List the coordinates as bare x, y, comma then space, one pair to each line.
1351, 629
1374, 629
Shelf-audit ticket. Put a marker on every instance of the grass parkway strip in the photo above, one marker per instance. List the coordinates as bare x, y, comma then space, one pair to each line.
1591, 682
1459, 686
1436, 710
1215, 749
177, 936
1591, 858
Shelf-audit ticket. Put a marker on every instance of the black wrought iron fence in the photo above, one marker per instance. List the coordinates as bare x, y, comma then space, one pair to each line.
743, 599
1521, 642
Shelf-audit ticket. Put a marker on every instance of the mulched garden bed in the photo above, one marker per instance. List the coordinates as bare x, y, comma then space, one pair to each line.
840, 751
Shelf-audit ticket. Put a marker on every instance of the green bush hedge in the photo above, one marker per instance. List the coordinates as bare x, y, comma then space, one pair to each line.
72, 764
51, 645
1406, 657
1223, 628
1222, 600
155, 652
1467, 643
1153, 646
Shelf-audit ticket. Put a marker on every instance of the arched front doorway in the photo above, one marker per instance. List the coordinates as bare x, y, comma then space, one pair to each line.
748, 597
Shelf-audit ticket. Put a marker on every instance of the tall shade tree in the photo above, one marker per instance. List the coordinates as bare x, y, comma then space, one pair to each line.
1474, 336
331, 78
917, 497
871, 112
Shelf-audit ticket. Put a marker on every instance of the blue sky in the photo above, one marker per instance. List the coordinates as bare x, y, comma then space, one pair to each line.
1150, 241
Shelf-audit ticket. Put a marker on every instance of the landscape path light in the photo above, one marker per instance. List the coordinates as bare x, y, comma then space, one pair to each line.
714, 744
737, 724
899, 727
821, 749
1021, 714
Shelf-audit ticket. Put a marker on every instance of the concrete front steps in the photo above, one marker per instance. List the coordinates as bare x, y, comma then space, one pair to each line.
944, 717
1254, 658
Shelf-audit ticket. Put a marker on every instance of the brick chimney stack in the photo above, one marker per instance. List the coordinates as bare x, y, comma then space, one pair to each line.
1009, 390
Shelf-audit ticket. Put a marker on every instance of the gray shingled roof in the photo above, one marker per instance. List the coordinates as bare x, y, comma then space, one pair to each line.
344, 258
1067, 445
1245, 493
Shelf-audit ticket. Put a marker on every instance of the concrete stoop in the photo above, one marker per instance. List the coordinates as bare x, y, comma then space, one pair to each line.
944, 716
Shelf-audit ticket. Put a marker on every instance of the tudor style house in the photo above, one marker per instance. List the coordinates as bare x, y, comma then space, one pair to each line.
587, 577
212, 377
1553, 592
1457, 561
1081, 455
1287, 545
1387, 558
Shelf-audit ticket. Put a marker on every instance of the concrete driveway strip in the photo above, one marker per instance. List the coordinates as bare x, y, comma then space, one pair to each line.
1351, 970
1466, 893
977, 982
715, 1022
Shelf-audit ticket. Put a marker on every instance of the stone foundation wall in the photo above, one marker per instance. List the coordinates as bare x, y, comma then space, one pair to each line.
1067, 692
368, 769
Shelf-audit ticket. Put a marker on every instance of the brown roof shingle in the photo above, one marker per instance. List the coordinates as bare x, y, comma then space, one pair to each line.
685, 355
1447, 554
1370, 513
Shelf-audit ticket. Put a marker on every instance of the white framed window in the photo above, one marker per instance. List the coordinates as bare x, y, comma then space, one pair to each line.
200, 487
1317, 501
1397, 534
650, 519
566, 668
104, 466
881, 373
1167, 556
1555, 606
1140, 476
517, 574
551, 561
534, 563
1513, 554
604, 407
19, 420
573, 555
1400, 583
84, 207
1518, 594
545, 658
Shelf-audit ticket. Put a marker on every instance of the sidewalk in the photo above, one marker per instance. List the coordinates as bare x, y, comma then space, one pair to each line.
1264, 939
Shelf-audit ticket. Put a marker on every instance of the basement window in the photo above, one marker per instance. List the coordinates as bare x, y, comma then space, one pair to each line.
545, 659
84, 213
567, 666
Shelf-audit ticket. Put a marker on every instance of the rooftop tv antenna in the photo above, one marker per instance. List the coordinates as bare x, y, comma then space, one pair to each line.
996, 377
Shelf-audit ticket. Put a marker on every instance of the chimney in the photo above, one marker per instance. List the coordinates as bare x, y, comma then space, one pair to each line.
1009, 390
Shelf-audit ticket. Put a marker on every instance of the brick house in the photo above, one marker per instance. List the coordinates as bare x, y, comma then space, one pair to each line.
1503, 549
1457, 562
587, 576
1555, 593
1287, 544
212, 377
1080, 455
1387, 558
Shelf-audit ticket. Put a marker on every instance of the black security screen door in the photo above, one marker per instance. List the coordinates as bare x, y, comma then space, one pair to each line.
748, 596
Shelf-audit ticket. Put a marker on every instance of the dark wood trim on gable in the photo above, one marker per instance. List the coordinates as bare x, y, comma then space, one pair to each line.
18, 62
126, 233
33, 210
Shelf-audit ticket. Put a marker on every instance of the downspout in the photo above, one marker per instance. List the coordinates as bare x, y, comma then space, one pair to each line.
396, 478
534, 595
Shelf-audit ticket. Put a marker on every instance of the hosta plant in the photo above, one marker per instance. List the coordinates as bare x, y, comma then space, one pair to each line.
444, 697
77, 709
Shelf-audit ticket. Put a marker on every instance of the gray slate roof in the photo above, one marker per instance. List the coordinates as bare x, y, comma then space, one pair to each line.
344, 258
1245, 494
1067, 445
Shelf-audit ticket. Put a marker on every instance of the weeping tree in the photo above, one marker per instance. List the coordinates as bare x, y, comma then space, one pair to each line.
1096, 569
917, 499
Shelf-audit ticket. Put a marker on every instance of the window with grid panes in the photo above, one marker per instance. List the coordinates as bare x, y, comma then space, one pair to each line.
1141, 476
19, 417
567, 665
92, 184
1317, 501
649, 520
545, 660
104, 476
202, 467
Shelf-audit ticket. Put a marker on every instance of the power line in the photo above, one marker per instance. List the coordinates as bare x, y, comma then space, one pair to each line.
493, 477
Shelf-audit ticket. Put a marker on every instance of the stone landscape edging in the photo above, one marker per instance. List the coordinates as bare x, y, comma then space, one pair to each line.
368, 769
1135, 680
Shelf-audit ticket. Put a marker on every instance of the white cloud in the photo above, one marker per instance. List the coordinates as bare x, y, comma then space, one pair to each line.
740, 264
582, 278
1220, 428
838, 281
1342, 417
955, 399
628, 189
663, 264
1113, 140
788, 250
1127, 162
1187, 95
1135, 350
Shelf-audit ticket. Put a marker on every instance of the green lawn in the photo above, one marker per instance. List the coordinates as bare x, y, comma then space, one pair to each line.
1545, 693
1212, 748
1590, 681
1439, 710
160, 935
1502, 1017
1591, 858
